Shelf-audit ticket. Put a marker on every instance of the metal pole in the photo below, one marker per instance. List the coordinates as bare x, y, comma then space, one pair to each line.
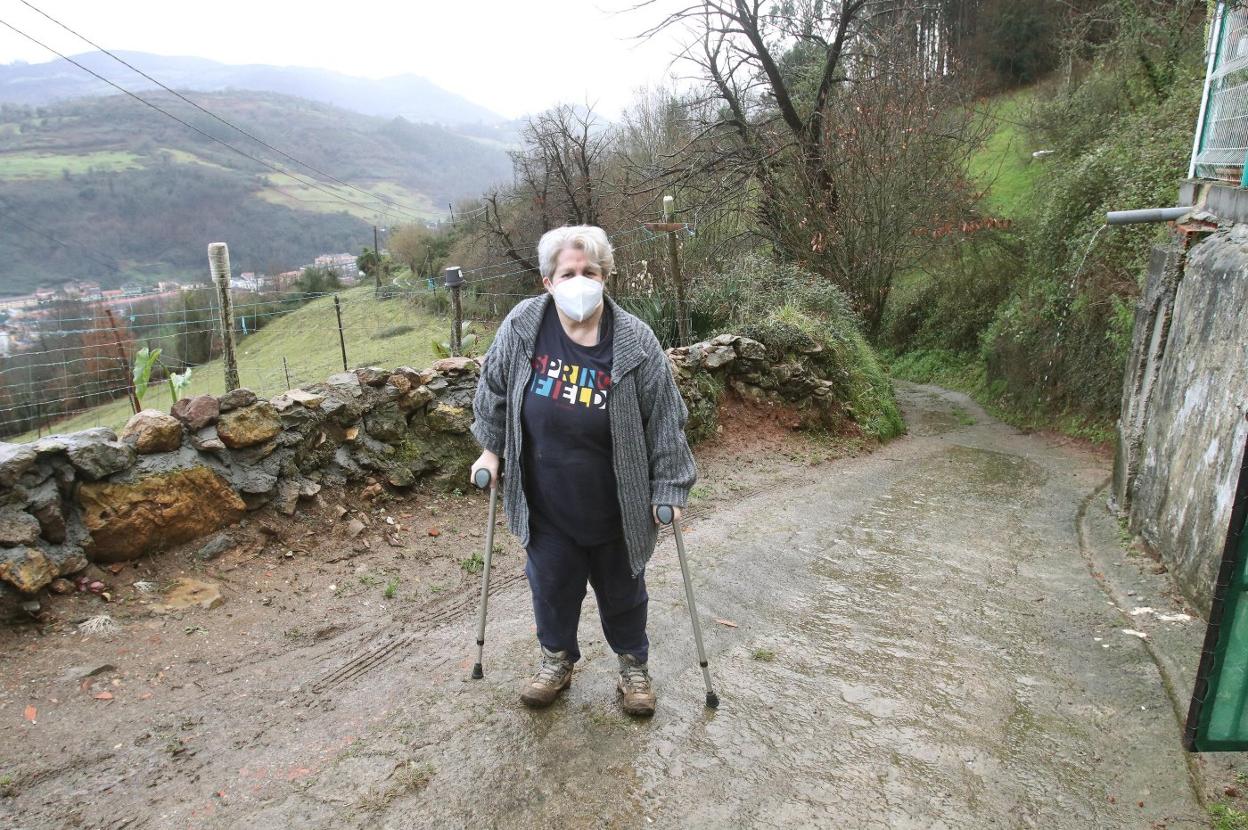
342, 342
125, 362
286, 371
376, 264
1131, 217
666, 515
483, 481
682, 312
219, 265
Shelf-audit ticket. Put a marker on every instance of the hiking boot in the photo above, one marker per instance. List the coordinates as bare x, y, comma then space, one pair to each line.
637, 695
553, 676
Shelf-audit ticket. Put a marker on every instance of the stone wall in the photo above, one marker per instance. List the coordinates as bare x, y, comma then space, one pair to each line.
68, 500
1183, 429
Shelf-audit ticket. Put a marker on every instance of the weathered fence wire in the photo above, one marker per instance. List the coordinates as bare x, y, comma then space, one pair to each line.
1221, 144
77, 369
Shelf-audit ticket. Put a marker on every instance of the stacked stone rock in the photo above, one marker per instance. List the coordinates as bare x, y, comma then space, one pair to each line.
93, 496
742, 365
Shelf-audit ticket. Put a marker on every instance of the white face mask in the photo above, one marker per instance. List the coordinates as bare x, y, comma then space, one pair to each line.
578, 297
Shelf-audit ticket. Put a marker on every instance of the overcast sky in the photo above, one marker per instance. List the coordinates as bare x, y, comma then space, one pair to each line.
512, 56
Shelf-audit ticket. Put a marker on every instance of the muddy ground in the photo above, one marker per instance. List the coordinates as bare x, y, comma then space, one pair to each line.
915, 637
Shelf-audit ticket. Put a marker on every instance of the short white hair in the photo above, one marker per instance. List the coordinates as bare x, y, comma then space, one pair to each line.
588, 238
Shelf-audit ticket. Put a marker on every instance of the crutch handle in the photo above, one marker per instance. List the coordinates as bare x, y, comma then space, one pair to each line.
665, 514
481, 478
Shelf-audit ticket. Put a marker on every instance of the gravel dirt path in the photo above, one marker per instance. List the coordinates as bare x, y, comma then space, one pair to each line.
912, 638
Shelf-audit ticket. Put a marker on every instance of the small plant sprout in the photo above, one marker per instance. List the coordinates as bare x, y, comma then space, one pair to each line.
392, 588
144, 361
179, 382
764, 655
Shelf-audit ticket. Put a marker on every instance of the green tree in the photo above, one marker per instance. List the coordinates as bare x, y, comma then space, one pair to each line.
422, 250
315, 280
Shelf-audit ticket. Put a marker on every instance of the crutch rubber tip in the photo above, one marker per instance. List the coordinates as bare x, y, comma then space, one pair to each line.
477, 674
712, 700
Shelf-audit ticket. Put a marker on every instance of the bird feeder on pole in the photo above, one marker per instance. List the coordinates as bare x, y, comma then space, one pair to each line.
671, 228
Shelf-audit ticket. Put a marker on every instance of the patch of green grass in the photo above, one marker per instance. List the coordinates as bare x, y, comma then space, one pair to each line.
50, 165
369, 579
282, 190
307, 338
764, 655
473, 564
1226, 817
183, 157
394, 331
963, 417
392, 588
1004, 164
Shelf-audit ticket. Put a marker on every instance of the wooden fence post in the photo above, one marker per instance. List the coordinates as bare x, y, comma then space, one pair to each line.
455, 281
342, 341
126, 368
219, 265
682, 309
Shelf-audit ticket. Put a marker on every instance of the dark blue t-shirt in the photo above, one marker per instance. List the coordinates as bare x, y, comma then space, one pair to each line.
569, 480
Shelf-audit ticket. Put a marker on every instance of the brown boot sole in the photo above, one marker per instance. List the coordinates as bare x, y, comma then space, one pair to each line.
638, 708
541, 698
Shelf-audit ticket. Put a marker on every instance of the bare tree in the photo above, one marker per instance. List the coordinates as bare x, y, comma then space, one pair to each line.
810, 112
560, 175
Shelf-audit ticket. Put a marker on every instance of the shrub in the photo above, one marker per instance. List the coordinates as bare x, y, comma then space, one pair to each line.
801, 318
394, 331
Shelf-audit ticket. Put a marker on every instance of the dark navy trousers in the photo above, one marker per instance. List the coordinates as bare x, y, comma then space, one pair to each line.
558, 569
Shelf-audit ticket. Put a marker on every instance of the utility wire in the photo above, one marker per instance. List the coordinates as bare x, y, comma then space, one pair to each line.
305, 182
213, 115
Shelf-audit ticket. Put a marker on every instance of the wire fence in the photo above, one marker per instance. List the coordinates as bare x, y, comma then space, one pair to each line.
1221, 144
72, 367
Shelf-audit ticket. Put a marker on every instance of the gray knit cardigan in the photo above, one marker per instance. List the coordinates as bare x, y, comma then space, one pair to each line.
651, 457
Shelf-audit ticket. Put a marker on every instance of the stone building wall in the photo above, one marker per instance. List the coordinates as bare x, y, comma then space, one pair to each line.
1183, 428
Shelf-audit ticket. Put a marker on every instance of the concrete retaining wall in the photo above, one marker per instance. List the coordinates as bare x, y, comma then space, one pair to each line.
1183, 426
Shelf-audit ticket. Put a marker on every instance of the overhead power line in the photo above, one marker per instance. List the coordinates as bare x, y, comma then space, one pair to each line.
213, 115
305, 182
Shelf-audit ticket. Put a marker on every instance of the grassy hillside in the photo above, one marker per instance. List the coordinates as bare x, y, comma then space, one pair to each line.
1036, 320
1003, 166
377, 332
144, 195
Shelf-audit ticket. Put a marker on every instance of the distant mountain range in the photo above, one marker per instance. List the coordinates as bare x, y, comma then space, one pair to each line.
408, 96
107, 189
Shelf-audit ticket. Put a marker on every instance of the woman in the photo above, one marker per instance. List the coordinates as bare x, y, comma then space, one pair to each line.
578, 397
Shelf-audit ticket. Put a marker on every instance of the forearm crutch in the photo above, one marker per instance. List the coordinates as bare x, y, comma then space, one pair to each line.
666, 515
482, 479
